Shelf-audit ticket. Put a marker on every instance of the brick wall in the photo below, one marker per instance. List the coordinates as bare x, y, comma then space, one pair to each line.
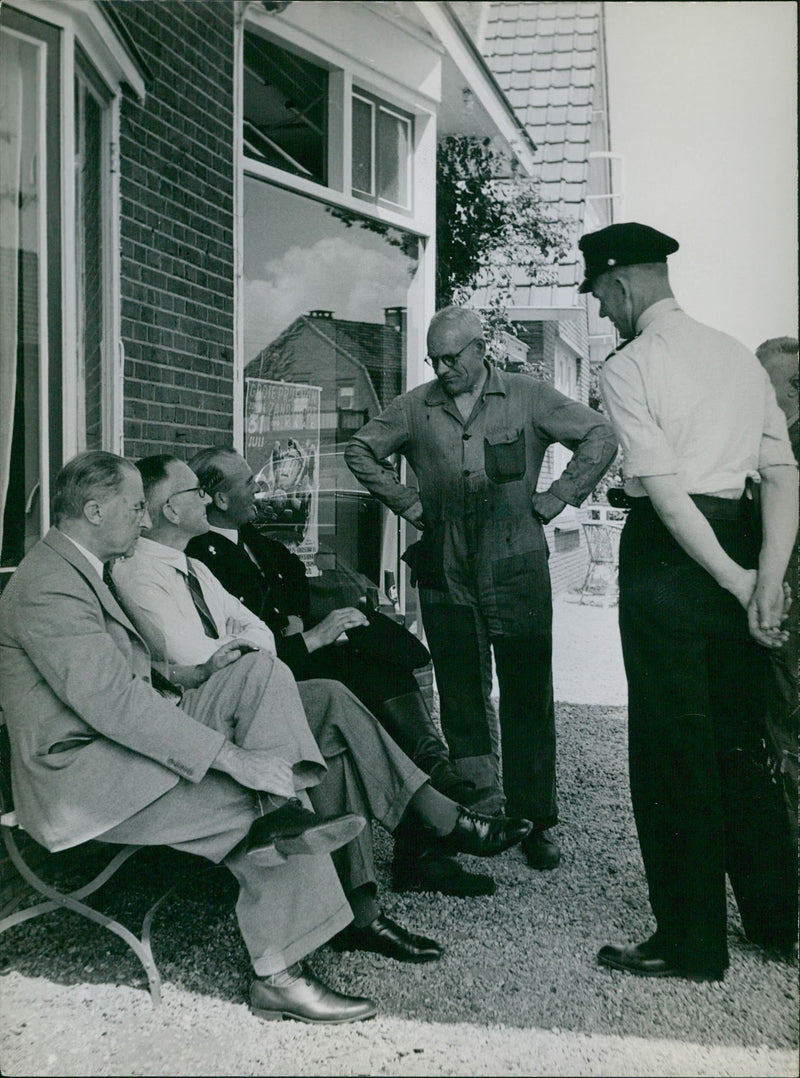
176, 176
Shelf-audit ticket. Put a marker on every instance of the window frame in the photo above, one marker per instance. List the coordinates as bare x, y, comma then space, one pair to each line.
378, 106
86, 39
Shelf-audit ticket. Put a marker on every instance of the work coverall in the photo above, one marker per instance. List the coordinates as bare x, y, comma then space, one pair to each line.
481, 564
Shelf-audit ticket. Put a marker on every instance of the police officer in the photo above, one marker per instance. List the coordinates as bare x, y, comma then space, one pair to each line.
476, 438
701, 605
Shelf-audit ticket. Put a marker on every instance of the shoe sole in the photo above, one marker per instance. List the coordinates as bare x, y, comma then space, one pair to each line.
278, 1016
540, 866
622, 968
322, 838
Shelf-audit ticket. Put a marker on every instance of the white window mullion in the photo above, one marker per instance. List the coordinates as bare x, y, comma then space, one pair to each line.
70, 374
113, 354
44, 351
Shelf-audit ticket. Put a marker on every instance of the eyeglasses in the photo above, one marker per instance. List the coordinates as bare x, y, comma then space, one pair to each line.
452, 358
199, 491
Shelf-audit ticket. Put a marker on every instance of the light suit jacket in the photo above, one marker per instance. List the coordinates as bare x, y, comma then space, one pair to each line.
73, 666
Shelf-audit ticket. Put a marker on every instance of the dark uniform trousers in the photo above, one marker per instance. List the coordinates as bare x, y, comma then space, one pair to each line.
704, 799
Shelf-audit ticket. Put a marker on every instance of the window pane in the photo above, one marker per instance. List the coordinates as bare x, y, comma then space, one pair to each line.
325, 297
285, 109
88, 191
21, 215
394, 155
363, 176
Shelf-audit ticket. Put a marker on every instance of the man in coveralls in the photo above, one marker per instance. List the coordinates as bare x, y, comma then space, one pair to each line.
475, 438
701, 605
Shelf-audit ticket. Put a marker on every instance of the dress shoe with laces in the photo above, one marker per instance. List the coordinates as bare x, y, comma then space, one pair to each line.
541, 851
484, 836
385, 936
297, 993
644, 960
292, 829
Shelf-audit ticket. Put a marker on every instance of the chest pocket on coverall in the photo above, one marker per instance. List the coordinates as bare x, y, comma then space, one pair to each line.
504, 455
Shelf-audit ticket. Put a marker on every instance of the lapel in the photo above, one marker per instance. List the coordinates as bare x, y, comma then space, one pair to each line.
69, 552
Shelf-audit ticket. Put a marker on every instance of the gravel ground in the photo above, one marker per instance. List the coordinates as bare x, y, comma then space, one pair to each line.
517, 992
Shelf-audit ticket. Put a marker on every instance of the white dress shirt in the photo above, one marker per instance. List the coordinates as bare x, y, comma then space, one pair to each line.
689, 401
154, 589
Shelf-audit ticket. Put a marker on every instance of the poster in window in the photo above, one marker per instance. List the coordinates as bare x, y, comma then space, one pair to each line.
282, 437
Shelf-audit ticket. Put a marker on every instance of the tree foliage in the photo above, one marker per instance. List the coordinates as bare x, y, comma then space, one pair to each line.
492, 229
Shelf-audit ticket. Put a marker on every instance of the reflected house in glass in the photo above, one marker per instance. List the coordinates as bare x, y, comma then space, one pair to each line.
359, 368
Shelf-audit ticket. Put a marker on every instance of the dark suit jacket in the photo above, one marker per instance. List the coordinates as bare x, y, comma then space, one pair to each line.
273, 589
72, 666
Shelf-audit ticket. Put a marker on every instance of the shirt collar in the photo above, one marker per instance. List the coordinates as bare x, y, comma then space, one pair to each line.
92, 559
168, 555
226, 533
655, 310
493, 384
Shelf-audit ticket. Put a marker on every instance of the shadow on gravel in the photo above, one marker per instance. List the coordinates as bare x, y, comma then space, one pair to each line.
524, 957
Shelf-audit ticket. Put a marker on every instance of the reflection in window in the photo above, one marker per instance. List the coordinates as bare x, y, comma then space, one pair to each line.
21, 263
381, 152
326, 294
285, 109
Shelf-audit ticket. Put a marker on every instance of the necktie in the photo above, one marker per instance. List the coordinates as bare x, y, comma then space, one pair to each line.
200, 605
162, 685
108, 580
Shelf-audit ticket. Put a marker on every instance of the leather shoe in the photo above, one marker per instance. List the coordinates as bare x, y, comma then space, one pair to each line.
484, 836
297, 993
644, 960
292, 829
429, 871
385, 936
540, 850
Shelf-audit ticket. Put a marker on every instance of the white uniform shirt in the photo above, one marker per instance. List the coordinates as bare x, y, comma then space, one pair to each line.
689, 401
153, 586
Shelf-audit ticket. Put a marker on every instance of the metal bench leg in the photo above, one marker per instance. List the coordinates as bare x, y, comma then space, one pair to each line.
141, 948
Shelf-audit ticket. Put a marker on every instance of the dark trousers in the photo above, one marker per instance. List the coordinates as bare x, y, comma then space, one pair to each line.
373, 682
702, 793
527, 717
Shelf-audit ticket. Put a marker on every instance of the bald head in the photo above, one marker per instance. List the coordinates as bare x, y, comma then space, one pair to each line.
456, 350
457, 320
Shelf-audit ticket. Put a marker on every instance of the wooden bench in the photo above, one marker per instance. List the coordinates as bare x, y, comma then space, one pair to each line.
20, 877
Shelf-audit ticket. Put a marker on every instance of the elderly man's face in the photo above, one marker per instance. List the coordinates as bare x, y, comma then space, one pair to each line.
456, 355
124, 515
239, 493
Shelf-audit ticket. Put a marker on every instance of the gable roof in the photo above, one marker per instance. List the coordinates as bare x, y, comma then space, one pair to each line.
548, 59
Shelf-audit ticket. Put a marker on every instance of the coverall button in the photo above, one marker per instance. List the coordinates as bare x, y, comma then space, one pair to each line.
466, 437
466, 471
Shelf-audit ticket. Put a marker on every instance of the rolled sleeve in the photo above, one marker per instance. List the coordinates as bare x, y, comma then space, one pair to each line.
366, 455
645, 448
584, 431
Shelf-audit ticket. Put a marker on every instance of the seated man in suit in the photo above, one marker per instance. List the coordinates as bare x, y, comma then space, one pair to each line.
185, 615
97, 752
271, 581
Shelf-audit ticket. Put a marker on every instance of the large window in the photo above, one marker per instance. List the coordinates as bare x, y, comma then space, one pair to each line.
58, 295
325, 308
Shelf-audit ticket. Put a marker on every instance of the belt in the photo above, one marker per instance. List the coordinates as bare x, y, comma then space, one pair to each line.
708, 504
